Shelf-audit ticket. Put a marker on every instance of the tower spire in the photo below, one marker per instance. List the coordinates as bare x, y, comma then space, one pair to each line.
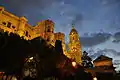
73, 26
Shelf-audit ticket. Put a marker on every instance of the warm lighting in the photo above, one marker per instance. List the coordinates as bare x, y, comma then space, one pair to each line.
14, 78
2, 72
74, 64
31, 58
94, 78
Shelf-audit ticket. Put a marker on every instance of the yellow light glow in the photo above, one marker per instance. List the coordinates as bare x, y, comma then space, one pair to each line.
74, 64
94, 78
14, 78
31, 58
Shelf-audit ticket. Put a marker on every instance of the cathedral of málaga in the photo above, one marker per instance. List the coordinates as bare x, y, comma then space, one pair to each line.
45, 29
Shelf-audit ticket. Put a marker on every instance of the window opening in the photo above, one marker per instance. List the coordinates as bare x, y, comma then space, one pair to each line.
48, 30
9, 24
4, 23
26, 34
13, 27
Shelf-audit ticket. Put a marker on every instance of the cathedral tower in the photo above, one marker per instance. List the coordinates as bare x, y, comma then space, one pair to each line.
74, 45
45, 29
49, 32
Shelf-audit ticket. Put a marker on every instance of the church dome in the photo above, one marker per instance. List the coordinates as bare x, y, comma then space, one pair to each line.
73, 31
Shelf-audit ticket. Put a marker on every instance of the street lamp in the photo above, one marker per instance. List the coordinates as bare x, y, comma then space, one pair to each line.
74, 64
14, 78
94, 78
31, 58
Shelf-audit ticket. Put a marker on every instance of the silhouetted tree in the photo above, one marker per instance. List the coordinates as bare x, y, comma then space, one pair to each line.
13, 52
13, 55
86, 60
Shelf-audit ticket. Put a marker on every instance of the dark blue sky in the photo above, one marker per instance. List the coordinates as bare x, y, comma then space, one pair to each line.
97, 21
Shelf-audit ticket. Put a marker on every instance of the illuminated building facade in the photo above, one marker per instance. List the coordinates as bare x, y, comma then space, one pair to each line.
45, 29
75, 49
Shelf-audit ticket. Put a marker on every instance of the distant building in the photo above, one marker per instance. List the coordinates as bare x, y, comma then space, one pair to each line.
103, 67
104, 64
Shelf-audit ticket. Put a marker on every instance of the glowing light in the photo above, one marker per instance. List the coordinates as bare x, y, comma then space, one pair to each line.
74, 64
31, 58
2, 72
14, 78
94, 78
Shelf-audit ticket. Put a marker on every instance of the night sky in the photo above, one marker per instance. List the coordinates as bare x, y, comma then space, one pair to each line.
97, 21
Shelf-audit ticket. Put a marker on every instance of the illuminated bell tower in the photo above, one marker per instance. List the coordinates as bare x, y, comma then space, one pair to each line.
74, 45
49, 32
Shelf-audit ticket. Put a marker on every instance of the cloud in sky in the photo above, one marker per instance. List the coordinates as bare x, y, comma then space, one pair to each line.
86, 15
77, 19
116, 37
95, 39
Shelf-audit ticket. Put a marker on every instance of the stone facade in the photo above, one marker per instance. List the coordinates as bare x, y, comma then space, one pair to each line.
102, 65
45, 29
102, 61
74, 45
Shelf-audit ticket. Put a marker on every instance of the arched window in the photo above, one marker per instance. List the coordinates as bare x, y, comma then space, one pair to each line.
26, 33
48, 30
73, 38
9, 25
4, 23
13, 27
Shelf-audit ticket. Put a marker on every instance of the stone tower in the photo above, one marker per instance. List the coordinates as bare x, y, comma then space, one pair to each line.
74, 45
61, 36
45, 29
49, 32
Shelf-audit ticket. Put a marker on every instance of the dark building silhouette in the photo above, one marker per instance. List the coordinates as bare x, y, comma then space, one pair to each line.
50, 60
